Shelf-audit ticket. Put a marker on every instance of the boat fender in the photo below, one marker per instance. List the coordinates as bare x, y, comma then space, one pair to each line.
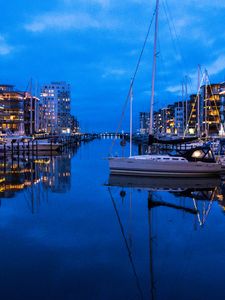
122, 194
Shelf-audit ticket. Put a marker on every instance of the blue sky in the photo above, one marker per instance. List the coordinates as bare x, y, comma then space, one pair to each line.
95, 44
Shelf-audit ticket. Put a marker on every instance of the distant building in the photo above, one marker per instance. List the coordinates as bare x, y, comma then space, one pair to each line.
18, 111
31, 114
170, 125
12, 113
179, 118
55, 100
183, 117
75, 127
157, 128
144, 122
222, 107
192, 115
167, 120
210, 99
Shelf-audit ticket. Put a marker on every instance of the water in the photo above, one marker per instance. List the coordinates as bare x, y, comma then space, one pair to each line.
64, 234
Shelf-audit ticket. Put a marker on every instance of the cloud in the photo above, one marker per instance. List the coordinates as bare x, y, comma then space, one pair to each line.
208, 3
217, 66
174, 89
5, 48
117, 72
57, 21
102, 3
67, 21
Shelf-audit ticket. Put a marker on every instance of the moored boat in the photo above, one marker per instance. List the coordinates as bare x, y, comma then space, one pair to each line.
27, 144
197, 162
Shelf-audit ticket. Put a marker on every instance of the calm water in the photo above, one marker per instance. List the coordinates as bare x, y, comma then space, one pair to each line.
64, 234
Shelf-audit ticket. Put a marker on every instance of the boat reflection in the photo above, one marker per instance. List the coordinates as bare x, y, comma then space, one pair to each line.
164, 184
162, 194
199, 190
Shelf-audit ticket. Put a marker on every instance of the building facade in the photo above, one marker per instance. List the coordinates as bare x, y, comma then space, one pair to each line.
75, 126
211, 108
18, 111
31, 114
144, 122
55, 101
222, 108
186, 118
12, 112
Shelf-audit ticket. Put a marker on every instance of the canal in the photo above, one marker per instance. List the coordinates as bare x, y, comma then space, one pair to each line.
66, 234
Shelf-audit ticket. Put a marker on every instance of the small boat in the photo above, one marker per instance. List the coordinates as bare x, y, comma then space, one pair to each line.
196, 162
24, 143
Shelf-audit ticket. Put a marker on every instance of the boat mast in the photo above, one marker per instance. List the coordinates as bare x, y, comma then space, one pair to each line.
183, 106
198, 103
31, 108
131, 116
154, 68
206, 103
186, 104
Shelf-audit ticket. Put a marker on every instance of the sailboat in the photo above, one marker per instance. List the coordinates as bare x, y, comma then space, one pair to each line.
196, 162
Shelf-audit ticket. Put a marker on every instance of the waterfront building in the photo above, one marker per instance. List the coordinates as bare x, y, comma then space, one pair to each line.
12, 112
222, 108
192, 115
144, 122
75, 127
179, 118
182, 116
157, 122
55, 99
210, 99
18, 111
170, 119
31, 114
167, 120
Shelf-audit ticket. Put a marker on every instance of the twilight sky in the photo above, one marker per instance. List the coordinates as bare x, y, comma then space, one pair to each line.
94, 45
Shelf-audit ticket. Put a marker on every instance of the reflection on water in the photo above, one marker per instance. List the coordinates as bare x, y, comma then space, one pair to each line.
69, 231
36, 176
197, 189
192, 198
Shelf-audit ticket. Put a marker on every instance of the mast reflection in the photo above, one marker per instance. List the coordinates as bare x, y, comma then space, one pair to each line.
192, 197
199, 190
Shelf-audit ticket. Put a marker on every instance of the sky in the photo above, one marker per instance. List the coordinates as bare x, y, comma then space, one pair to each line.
94, 45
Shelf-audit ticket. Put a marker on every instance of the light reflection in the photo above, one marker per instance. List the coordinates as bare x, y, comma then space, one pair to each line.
36, 176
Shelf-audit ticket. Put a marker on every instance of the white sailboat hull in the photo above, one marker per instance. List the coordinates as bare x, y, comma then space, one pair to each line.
170, 168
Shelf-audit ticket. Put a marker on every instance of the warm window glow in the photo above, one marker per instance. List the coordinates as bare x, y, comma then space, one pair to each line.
197, 154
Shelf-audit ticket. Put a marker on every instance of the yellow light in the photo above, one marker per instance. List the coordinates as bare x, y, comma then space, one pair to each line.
197, 154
